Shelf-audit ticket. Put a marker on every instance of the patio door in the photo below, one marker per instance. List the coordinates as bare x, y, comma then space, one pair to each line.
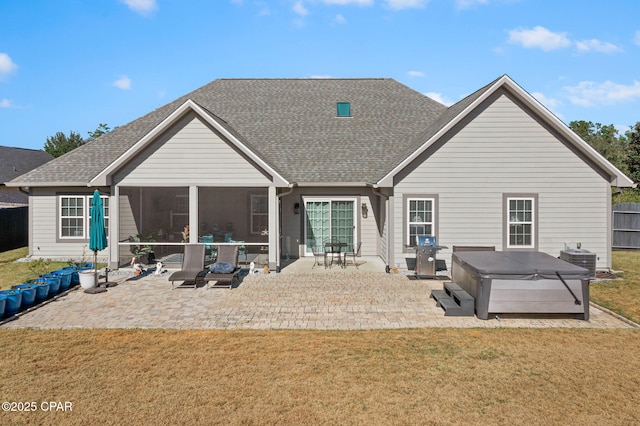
327, 219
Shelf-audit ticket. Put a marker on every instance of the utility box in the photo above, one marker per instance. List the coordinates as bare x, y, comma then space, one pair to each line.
580, 257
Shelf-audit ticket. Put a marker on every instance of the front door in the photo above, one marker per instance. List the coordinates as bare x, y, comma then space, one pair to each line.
329, 219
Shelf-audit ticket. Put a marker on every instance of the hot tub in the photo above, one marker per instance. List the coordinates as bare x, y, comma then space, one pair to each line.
521, 282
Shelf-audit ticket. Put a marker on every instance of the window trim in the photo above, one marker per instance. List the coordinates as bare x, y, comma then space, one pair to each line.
85, 217
406, 198
507, 222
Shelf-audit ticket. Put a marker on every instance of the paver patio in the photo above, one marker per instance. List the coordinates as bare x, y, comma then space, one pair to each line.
348, 300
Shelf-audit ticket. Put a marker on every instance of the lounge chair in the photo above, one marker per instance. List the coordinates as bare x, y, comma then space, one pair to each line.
227, 258
192, 265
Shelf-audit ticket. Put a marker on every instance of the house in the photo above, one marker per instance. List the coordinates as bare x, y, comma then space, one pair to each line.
282, 164
13, 163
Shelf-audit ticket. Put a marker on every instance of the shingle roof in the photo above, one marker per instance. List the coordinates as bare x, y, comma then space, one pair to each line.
17, 161
290, 123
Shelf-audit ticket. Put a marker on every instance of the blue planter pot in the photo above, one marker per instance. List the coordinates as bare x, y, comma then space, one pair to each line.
13, 301
65, 278
54, 283
42, 291
28, 294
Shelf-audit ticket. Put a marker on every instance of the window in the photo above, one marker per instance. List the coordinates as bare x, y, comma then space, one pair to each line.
420, 218
344, 109
520, 222
72, 220
75, 216
259, 214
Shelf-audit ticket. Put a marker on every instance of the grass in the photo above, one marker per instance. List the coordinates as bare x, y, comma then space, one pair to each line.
426, 376
12, 272
621, 296
431, 376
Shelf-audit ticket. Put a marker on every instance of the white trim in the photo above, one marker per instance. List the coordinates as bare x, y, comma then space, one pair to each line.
619, 178
103, 177
329, 199
532, 222
409, 222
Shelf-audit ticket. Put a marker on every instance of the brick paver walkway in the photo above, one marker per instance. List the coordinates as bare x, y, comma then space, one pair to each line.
340, 301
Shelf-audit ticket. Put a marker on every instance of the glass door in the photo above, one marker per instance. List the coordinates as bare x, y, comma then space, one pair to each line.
329, 219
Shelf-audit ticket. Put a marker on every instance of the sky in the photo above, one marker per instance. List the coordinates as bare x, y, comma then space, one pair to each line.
69, 65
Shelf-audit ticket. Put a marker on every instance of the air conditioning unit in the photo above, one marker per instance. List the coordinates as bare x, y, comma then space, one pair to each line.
580, 257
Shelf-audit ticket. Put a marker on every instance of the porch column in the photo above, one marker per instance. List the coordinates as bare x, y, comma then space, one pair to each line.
391, 243
193, 215
114, 227
274, 230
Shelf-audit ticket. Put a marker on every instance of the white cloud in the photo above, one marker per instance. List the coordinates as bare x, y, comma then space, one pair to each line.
466, 4
143, 7
5, 103
636, 39
439, 97
544, 100
406, 4
299, 9
123, 83
339, 19
415, 74
597, 46
589, 93
539, 37
6, 65
349, 2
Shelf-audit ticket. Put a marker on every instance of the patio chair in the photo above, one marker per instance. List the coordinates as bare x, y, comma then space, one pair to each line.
355, 253
218, 272
318, 253
192, 265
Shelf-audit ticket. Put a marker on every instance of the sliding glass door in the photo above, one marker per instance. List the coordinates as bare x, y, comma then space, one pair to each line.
329, 219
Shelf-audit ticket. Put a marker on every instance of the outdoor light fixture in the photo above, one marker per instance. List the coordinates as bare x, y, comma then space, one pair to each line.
365, 211
296, 208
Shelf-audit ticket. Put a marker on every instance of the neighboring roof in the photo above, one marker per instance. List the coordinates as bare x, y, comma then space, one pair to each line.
291, 126
17, 161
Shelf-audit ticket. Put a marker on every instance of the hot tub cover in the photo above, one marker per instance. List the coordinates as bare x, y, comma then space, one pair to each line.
519, 264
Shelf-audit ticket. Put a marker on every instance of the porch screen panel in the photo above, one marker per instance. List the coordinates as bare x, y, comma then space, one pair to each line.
342, 222
318, 221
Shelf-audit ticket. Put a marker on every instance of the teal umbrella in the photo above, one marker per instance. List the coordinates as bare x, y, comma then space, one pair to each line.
97, 231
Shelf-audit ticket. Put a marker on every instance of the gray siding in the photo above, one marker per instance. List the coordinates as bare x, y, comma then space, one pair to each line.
190, 153
504, 150
44, 227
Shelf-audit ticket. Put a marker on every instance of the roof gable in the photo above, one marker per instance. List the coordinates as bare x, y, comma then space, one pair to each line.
459, 111
103, 178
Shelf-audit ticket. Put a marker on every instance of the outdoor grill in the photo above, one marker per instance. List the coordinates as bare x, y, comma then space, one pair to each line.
426, 256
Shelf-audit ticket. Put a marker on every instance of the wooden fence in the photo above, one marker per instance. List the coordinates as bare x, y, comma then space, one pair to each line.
626, 226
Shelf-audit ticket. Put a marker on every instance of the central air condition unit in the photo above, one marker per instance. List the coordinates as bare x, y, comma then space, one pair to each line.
580, 257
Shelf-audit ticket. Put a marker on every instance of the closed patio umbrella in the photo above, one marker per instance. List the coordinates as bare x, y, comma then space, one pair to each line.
97, 232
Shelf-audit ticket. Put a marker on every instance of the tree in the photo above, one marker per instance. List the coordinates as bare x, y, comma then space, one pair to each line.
605, 140
60, 144
633, 154
100, 130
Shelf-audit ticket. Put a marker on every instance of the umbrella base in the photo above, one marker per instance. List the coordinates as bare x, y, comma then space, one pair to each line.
107, 284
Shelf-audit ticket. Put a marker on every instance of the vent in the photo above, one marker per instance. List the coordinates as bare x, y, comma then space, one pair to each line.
344, 109
580, 257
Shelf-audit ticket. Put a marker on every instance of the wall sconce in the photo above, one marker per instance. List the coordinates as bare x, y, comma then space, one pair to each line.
365, 211
296, 208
